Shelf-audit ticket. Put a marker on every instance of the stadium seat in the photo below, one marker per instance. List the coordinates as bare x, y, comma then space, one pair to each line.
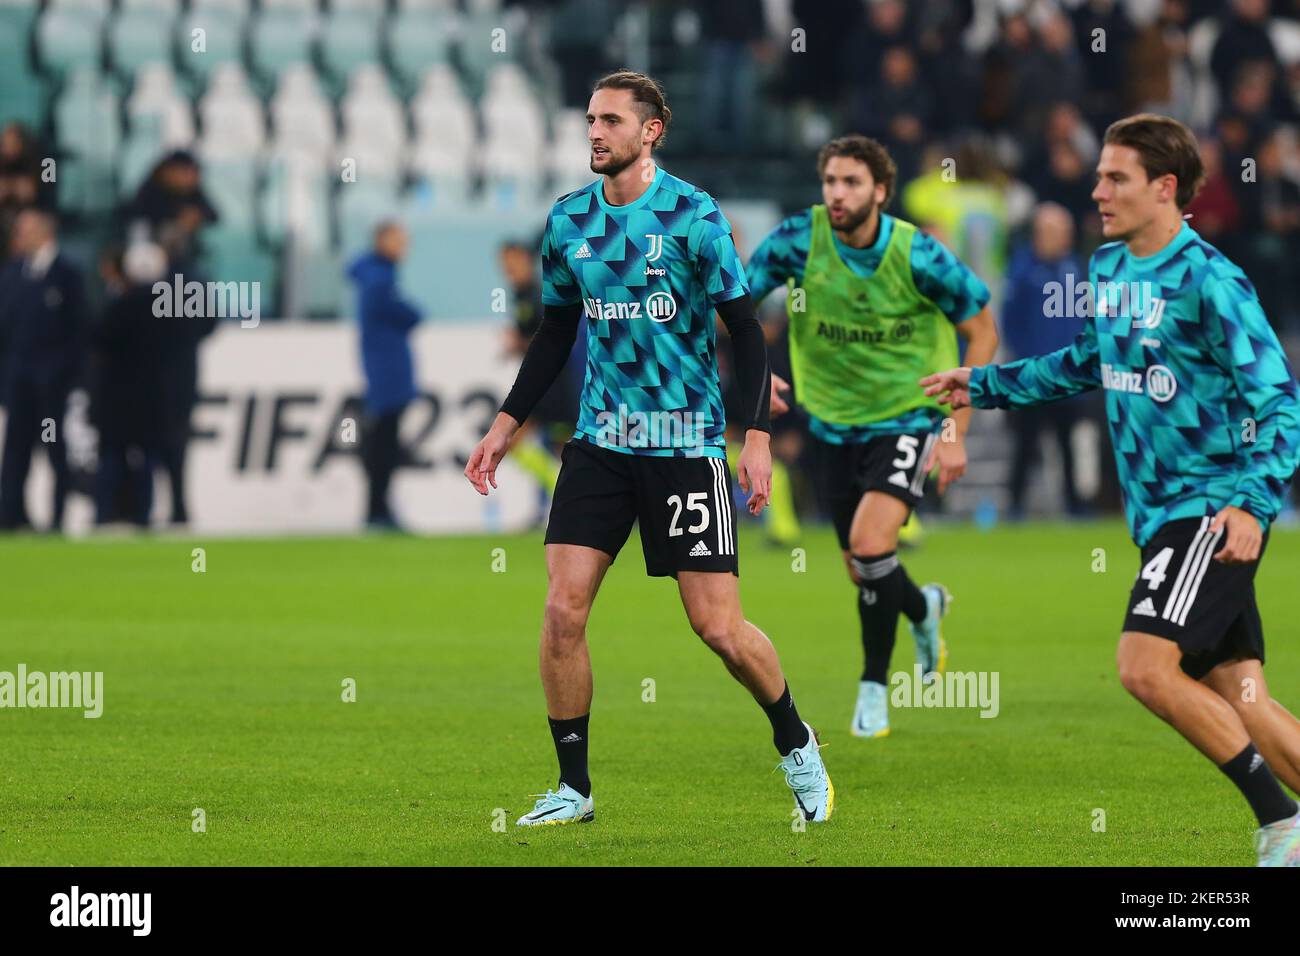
236, 10
164, 9
301, 116
369, 163
348, 40
19, 16
419, 39
87, 10
231, 184
222, 41
294, 205
569, 152
21, 90
231, 115
371, 112
441, 106
280, 37
89, 137
138, 38
66, 39
155, 94
477, 54
141, 150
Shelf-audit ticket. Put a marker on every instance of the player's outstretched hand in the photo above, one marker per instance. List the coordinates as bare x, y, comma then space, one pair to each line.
754, 470
1242, 542
779, 405
482, 467
952, 386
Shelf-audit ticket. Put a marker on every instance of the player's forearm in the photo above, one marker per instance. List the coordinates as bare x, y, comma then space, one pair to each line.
1033, 381
981, 336
753, 374
545, 359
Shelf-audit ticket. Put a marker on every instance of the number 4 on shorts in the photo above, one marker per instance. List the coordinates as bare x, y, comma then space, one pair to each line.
1157, 568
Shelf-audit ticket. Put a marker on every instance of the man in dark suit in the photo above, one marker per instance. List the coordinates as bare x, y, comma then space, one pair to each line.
42, 306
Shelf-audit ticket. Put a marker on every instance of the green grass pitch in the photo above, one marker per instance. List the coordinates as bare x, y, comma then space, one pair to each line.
223, 692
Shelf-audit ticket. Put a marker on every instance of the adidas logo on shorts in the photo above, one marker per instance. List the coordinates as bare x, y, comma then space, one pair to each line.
1145, 608
700, 551
583, 253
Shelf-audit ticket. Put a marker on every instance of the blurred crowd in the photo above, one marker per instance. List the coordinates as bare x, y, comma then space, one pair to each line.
138, 369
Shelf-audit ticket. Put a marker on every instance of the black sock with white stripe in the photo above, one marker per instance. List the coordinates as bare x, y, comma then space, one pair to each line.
570, 738
1260, 788
880, 599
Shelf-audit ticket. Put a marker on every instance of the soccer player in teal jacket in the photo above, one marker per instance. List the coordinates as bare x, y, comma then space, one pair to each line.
648, 258
1205, 420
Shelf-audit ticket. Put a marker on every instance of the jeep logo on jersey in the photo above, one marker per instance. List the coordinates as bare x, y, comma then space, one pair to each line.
1161, 383
659, 307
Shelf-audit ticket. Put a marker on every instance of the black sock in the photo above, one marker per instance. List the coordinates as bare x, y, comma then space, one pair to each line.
1258, 785
880, 598
914, 605
571, 747
788, 730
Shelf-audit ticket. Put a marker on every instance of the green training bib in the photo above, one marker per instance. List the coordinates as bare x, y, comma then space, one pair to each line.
858, 346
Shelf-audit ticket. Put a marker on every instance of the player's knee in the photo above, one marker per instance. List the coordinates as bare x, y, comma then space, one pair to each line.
565, 618
1141, 679
875, 541
718, 634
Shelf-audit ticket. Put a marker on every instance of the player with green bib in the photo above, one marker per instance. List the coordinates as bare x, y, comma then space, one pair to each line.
874, 303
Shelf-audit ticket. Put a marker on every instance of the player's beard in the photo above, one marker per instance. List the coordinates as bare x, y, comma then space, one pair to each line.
615, 162
854, 220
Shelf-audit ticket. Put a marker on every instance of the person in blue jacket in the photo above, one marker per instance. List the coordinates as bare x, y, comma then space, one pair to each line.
1043, 266
386, 322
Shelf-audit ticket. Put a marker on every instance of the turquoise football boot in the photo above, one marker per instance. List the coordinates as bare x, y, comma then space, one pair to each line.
871, 715
931, 649
557, 807
1278, 844
806, 776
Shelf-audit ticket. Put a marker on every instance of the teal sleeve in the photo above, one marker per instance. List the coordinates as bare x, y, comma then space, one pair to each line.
780, 257
1041, 378
1245, 346
717, 262
559, 287
945, 280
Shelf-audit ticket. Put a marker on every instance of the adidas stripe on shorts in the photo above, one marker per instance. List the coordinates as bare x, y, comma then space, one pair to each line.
1205, 606
683, 504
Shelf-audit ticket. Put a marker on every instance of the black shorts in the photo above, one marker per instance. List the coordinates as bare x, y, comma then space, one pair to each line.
893, 464
1204, 606
684, 506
